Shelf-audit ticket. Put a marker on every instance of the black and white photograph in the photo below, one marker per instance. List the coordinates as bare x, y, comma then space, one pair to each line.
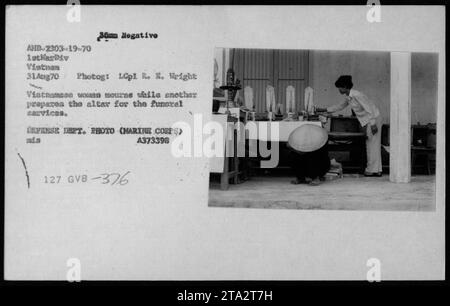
360, 126
224, 143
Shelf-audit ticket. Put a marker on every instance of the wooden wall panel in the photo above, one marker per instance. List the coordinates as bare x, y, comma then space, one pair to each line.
280, 68
238, 63
291, 64
258, 64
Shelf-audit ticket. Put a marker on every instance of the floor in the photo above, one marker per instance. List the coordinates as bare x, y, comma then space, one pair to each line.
348, 193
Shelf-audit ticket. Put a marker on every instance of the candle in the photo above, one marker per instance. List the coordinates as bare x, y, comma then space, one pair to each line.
309, 103
290, 98
248, 97
270, 98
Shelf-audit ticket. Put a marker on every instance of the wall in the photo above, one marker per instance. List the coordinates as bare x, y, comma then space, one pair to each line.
219, 59
424, 75
371, 75
370, 72
259, 68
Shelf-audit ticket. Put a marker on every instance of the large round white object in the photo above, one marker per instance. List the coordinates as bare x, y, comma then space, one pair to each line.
308, 138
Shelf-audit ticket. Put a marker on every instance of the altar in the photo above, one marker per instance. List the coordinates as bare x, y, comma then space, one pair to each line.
245, 148
274, 130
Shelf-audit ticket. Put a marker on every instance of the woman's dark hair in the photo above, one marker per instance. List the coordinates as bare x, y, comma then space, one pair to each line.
344, 81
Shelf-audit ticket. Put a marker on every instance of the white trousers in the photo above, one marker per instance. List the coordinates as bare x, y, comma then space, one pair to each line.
373, 148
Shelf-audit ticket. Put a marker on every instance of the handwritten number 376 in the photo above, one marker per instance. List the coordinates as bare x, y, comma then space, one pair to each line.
113, 178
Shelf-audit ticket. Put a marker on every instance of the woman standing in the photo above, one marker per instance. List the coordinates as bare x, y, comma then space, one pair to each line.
368, 116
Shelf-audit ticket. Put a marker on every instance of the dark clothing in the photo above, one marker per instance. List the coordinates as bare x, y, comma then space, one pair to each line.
311, 164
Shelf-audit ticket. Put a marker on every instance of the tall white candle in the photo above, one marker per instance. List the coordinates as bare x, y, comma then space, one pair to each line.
248, 97
309, 103
270, 98
290, 98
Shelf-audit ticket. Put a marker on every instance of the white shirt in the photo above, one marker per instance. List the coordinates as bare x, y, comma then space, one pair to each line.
365, 110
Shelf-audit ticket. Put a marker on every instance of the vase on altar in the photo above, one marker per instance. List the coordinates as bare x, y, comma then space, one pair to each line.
290, 116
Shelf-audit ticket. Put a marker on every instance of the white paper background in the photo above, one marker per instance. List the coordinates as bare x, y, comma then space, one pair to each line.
159, 227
